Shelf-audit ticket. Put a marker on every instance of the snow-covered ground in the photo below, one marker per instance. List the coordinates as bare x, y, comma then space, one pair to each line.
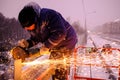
91, 65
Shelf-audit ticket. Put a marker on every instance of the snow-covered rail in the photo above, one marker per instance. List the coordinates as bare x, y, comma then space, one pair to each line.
96, 65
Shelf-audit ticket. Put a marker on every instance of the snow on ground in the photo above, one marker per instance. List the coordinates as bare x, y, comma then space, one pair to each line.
91, 65
96, 68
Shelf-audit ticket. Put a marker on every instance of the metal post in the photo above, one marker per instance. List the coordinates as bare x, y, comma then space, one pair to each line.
85, 24
17, 69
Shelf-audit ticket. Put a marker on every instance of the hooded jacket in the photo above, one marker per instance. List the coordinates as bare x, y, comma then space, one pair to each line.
54, 31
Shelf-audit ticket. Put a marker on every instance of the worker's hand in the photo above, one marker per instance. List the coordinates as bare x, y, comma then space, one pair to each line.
44, 50
23, 43
19, 53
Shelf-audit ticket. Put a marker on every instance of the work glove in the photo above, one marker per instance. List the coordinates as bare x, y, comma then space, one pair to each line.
19, 53
44, 50
23, 43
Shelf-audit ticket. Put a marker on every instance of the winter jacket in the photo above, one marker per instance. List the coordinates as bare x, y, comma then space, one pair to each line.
54, 31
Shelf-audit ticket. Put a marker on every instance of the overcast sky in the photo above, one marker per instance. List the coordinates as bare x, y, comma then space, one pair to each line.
96, 11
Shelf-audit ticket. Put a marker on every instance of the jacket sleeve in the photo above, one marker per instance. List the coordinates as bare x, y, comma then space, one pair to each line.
57, 30
32, 41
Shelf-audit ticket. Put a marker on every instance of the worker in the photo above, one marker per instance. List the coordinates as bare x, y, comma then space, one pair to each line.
48, 27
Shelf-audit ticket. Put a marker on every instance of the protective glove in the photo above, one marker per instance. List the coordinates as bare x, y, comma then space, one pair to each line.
23, 43
44, 50
19, 53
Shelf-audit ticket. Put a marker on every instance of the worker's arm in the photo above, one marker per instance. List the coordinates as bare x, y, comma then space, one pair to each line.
20, 53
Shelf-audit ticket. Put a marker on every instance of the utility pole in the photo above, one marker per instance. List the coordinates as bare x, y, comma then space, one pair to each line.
85, 23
